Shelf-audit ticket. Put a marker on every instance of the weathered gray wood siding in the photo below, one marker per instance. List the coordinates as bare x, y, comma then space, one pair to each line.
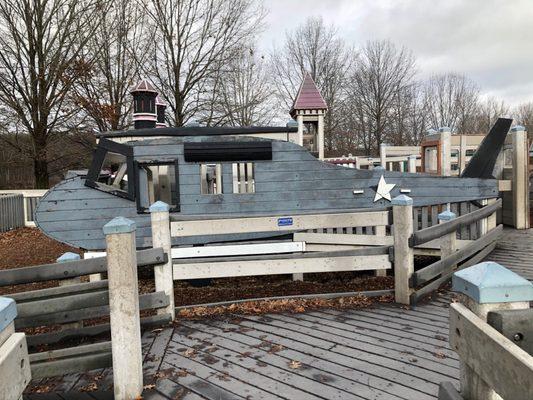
294, 181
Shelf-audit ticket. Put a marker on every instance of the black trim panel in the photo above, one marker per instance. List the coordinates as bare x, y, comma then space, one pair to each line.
227, 151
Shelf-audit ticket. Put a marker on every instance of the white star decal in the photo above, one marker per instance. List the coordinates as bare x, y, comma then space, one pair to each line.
383, 190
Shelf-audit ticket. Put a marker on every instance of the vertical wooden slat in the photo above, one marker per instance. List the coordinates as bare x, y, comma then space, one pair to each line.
218, 179
235, 174
425, 223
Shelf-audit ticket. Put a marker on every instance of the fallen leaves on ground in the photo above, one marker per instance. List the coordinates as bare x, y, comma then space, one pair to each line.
280, 305
295, 364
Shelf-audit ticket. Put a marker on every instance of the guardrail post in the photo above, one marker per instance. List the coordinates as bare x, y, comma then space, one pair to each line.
159, 213
124, 308
486, 287
520, 178
411, 164
448, 243
402, 213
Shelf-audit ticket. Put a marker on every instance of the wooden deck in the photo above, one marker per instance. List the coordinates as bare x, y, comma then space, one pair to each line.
515, 251
385, 352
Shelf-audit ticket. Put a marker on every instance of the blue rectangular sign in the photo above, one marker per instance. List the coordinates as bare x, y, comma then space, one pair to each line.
286, 221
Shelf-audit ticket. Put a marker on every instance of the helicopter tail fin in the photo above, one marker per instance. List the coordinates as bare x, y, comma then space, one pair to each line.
482, 163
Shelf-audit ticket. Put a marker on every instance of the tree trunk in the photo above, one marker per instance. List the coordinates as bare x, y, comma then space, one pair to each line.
40, 166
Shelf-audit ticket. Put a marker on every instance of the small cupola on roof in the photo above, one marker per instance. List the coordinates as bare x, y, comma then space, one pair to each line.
161, 106
308, 109
144, 105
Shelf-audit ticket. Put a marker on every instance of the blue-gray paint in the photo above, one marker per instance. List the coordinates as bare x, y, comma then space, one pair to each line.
446, 216
293, 182
8, 312
119, 225
68, 256
159, 206
490, 282
402, 200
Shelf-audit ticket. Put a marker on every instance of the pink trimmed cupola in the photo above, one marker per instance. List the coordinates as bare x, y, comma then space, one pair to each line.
308, 110
144, 105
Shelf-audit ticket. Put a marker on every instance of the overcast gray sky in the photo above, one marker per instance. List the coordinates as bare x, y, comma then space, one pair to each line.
491, 41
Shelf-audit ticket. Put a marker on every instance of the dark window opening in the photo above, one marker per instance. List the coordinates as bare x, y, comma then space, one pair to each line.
111, 169
211, 178
157, 181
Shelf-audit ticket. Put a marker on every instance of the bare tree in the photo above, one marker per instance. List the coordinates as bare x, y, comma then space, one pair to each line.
488, 111
381, 79
116, 48
452, 100
524, 116
315, 48
242, 95
192, 40
41, 44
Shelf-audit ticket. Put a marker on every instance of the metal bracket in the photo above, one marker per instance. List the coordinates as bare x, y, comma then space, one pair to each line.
515, 325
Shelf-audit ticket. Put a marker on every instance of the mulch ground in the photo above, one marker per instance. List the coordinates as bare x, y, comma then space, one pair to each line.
29, 246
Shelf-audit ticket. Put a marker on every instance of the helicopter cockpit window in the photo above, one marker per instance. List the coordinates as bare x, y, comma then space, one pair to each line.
157, 181
111, 169
211, 178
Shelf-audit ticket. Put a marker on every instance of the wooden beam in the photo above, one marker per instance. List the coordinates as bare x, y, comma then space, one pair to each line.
146, 301
501, 364
437, 231
348, 239
89, 331
58, 291
278, 223
220, 269
425, 274
73, 268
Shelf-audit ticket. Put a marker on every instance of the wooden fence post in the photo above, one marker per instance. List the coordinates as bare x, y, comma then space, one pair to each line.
124, 308
486, 287
445, 151
411, 164
402, 213
66, 257
520, 178
159, 213
448, 243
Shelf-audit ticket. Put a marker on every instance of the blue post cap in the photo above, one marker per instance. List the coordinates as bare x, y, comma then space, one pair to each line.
379, 168
159, 206
431, 132
119, 225
518, 128
68, 256
490, 282
402, 200
446, 216
8, 312
445, 129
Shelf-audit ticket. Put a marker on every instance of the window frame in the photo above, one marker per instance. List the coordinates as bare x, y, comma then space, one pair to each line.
108, 146
175, 199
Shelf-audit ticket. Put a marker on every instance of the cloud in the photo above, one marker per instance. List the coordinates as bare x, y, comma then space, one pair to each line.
488, 40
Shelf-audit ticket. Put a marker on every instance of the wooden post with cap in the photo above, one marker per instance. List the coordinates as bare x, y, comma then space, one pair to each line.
124, 308
402, 214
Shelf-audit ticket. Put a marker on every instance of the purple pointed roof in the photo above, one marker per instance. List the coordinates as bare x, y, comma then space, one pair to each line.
159, 101
144, 86
309, 97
